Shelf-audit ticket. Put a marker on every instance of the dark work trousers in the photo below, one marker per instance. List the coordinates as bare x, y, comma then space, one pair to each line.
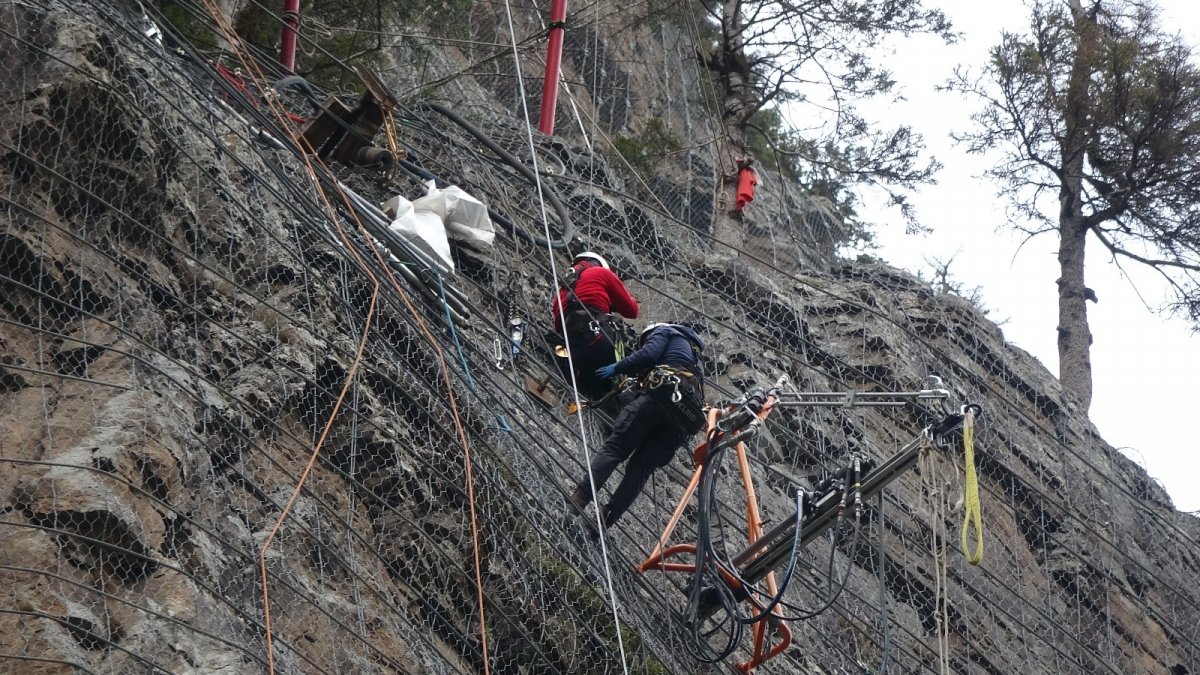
590, 351
643, 435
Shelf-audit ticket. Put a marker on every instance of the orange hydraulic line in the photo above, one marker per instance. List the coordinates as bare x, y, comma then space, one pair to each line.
462, 435
235, 43
459, 428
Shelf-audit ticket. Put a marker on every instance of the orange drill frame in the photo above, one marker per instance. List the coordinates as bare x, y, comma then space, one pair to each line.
754, 528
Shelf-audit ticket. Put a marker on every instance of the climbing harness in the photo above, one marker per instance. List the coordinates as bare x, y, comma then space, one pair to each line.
666, 377
679, 391
584, 323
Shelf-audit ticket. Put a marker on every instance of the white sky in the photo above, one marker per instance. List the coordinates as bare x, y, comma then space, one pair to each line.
1145, 374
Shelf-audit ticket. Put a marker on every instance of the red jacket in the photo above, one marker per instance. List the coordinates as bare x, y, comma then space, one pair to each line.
601, 291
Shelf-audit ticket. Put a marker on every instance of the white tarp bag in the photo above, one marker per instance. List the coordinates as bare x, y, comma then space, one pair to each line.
468, 221
421, 225
466, 217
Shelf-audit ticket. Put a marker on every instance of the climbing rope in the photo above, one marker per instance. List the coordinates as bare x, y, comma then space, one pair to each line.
235, 42
612, 594
935, 498
972, 517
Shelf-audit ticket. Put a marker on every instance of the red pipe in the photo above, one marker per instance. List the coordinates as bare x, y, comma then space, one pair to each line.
558, 16
287, 42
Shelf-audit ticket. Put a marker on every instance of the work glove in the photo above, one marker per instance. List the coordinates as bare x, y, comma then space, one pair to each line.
606, 372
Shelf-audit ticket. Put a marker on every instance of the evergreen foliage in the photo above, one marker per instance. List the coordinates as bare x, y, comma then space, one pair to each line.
1094, 114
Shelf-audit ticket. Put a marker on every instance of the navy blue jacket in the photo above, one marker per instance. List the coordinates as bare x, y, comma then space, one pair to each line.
665, 346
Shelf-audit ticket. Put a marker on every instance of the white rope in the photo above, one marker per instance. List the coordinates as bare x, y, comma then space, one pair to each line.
937, 527
612, 594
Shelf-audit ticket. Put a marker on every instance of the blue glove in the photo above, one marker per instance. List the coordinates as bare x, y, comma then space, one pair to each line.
606, 372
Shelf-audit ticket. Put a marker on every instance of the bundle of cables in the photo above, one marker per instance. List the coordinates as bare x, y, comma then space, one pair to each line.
718, 589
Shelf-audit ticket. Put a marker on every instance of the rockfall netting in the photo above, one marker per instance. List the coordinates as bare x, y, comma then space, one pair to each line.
248, 427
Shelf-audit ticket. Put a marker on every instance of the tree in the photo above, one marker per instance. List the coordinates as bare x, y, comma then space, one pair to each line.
1099, 108
814, 58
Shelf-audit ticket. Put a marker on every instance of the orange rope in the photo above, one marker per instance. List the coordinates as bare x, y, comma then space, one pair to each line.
462, 435
251, 66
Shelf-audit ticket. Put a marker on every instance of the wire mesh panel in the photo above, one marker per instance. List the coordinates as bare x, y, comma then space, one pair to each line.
248, 426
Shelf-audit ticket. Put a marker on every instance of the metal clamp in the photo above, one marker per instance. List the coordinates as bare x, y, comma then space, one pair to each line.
517, 334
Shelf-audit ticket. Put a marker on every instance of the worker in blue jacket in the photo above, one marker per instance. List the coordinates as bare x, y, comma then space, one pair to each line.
665, 411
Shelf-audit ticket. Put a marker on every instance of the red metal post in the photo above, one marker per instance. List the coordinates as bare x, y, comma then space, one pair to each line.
558, 15
287, 42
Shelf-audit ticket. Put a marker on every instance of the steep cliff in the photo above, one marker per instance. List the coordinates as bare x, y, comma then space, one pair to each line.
241, 432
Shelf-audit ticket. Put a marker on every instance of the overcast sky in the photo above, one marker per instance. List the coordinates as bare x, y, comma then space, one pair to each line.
1144, 365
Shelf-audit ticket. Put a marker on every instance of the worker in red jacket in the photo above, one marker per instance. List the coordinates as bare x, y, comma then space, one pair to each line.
592, 297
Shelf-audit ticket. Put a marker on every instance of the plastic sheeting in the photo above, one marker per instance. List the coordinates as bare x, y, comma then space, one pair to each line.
432, 220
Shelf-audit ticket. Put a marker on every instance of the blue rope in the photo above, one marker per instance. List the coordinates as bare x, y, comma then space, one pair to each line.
454, 335
502, 424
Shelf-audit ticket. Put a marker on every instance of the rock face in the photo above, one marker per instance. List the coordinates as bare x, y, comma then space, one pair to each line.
238, 437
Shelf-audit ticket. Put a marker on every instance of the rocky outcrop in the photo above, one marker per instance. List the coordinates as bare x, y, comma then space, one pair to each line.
218, 396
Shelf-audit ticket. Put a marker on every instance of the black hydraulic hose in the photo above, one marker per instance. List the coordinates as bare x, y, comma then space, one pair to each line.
769, 607
568, 228
707, 570
297, 83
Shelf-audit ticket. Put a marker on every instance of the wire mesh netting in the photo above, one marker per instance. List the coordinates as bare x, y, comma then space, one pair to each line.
248, 426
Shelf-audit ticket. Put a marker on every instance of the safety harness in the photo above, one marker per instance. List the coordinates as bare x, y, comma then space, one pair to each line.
586, 324
678, 389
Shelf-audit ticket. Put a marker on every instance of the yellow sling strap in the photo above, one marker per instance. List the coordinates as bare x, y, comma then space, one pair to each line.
971, 513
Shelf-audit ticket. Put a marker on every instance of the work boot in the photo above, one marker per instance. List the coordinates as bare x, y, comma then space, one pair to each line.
590, 524
578, 500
